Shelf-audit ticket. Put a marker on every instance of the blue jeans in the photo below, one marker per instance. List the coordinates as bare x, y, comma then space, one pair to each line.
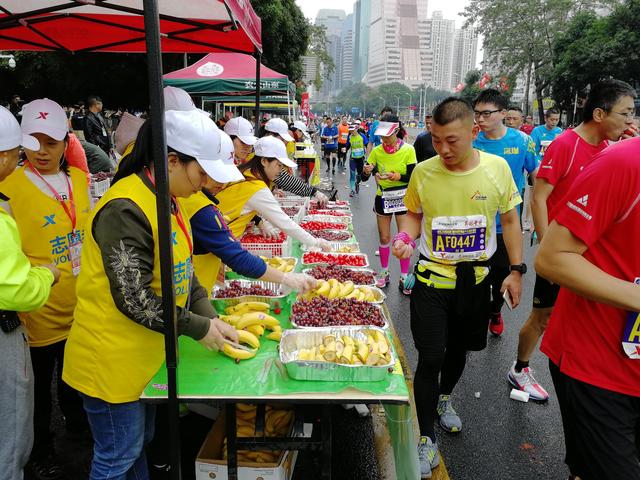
120, 433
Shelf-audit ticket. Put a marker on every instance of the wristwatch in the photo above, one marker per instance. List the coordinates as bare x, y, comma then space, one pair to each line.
522, 268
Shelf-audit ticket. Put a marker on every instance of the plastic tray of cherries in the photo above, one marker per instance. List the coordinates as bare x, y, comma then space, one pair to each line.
345, 259
357, 275
234, 292
341, 312
337, 247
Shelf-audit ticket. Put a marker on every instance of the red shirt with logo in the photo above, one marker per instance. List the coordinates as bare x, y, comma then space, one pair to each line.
526, 128
602, 208
563, 161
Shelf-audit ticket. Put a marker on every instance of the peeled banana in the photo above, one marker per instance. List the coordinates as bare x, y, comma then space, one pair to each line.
374, 351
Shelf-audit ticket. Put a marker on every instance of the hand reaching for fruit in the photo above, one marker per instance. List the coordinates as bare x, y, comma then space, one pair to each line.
268, 231
300, 282
214, 339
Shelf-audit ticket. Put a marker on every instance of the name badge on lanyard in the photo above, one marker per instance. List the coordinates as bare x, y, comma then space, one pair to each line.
393, 201
75, 250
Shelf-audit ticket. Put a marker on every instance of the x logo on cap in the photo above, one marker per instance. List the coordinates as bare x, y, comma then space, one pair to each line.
43, 116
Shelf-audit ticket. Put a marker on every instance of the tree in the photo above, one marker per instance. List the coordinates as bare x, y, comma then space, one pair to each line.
285, 35
594, 48
519, 36
318, 49
471, 85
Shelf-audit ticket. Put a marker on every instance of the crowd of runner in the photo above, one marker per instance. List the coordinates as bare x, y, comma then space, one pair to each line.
80, 284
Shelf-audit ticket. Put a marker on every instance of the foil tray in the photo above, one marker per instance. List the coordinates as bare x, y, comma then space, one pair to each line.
276, 301
327, 218
366, 259
352, 238
379, 295
293, 340
383, 312
363, 269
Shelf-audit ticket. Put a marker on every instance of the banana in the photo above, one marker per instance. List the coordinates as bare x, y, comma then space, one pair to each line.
257, 318
334, 291
346, 289
347, 355
324, 288
245, 407
248, 338
257, 330
353, 294
362, 351
230, 319
236, 353
277, 335
288, 268
253, 306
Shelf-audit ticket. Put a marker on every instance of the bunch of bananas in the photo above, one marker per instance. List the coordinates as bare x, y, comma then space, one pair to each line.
251, 320
332, 288
348, 351
282, 264
277, 423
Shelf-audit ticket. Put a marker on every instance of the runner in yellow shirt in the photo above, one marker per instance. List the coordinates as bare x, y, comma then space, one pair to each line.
452, 201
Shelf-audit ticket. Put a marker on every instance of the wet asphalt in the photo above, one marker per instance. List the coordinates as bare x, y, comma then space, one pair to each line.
501, 439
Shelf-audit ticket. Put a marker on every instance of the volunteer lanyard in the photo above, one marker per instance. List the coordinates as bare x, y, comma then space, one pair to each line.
178, 214
70, 209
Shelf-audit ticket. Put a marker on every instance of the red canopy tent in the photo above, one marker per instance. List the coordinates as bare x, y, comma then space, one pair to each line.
151, 27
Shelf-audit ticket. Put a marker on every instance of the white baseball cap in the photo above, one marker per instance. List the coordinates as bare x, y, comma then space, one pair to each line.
177, 99
386, 129
193, 134
10, 134
44, 116
271, 147
279, 126
241, 128
300, 126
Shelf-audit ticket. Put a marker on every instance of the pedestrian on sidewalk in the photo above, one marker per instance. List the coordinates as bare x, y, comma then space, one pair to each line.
452, 201
23, 288
563, 161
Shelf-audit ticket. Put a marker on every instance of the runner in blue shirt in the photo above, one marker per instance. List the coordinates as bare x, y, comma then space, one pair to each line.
543, 135
329, 135
490, 108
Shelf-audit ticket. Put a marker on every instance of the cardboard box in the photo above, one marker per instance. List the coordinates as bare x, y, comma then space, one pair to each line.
211, 466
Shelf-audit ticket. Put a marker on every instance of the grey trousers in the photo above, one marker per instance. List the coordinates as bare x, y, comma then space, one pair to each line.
16, 404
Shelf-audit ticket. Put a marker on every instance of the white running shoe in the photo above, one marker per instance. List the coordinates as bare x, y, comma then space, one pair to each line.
526, 382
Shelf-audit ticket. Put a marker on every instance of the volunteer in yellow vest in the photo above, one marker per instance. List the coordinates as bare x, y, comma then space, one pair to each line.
50, 203
116, 343
241, 202
452, 201
23, 288
214, 243
391, 162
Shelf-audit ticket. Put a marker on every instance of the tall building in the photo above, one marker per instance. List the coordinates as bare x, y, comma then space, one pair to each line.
333, 21
398, 42
346, 57
361, 27
440, 44
465, 48
310, 68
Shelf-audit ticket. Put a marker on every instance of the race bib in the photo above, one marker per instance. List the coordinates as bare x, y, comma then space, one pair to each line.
393, 201
544, 144
459, 238
631, 336
357, 152
75, 251
344, 136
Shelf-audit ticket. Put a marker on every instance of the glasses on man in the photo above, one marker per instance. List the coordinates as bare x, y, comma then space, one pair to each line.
485, 113
627, 115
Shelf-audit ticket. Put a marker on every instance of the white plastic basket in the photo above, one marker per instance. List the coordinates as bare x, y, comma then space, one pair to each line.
338, 247
269, 250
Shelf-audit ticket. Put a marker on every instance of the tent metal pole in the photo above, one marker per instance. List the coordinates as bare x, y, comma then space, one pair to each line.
258, 56
163, 206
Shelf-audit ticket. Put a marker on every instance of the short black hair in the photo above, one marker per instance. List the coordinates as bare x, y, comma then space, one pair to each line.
386, 109
491, 95
516, 108
552, 111
605, 95
93, 99
452, 109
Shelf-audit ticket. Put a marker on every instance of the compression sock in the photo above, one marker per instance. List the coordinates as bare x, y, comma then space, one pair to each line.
520, 365
385, 250
405, 264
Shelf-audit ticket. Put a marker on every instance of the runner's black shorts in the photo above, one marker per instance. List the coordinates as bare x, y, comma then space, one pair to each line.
600, 428
435, 323
545, 293
377, 208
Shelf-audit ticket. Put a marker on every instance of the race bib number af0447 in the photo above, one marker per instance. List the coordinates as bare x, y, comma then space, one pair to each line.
459, 238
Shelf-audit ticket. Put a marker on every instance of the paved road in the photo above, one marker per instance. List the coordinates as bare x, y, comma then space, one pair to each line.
501, 438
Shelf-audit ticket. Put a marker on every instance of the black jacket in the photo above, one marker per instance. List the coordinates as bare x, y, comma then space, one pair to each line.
95, 131
424, 147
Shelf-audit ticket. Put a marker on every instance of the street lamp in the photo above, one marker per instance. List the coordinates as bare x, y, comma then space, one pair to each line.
384, 102
397, 105
12, 60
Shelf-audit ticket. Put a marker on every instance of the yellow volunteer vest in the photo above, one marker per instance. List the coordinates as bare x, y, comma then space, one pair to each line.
232, 200
206, 265
108, 355
44, 229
